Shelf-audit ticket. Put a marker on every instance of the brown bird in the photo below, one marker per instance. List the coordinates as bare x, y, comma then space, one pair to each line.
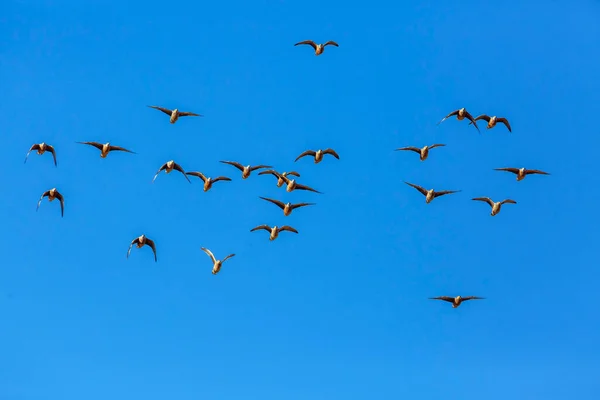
460, 115
279, 176
431, 194
217, 264
175, 114
293, 185
495, 206
140, 242
318, 155
522, 172
492, 121
274, 231
319, 48
456, 301
208, 182
41, 149
423, 152
247, 170
170, 166
106, 148
53, 194
287, 207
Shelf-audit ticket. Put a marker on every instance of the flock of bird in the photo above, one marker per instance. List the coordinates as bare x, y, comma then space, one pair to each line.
284, 177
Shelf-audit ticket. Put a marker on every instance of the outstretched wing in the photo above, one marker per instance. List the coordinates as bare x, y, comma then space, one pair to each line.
535, 171
165, 110
259, 167
444, 192
159, 170
46, 193
235, 164
62, 203
153, 247
228, 257
265, 227
287, 228
210, 254
197, 174
448, 116
513, 170
304, 187
134, 241
332, 43
119, 148
276, 202
485, 199
332, 152
505, 122
178, 168
444, 298
306, 153
410, 148
472, 298
419, 188
309, 42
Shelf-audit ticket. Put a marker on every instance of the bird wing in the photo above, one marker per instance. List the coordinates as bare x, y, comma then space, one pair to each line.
306, 153
269, 171
95, 144
535, 171
46, 193
448, 116
508, 201
198, 174
433, 146
486, 199
228, 257
153, 247
119, 148
419, 188
473, 121
210, 254
444, 192
165, 110
331, 42
51, 150
513, 170
304, 187
134, 241
309, 42
158, 172
189, 114
472, 298
410, 148
298, 205
483, 117
259, 167
62, 203
332, 152
287, 228
294, 173
235, 164
178, 168
265, 227
276, 202
505, 122
221, 178
34, 147
444, 298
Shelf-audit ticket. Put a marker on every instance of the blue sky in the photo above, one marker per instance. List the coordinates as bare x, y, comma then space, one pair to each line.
339, 311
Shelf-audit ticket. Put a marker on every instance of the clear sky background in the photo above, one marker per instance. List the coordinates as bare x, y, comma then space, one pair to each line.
339, 311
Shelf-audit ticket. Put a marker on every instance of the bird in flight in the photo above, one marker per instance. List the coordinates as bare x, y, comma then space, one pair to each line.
431, 194
293, 185
217, 264
495, 206
170, 166
318, 155
279, 176
461, 114
522, 172
492, 121
319, 48
247, 170
53, 194
142, 241
274, 231
175, 114
287, 207
41, 149
106, 148
423, 152
456, 301
208, 182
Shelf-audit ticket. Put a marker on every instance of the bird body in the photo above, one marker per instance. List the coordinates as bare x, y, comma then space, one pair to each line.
493, 120
140, 242
170, 166
319, 48
53, 194
217, 264
41, 148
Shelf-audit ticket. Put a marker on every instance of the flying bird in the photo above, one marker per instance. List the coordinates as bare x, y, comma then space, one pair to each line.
318, 155
141, 242
274, 231
492, 121
460, 115
106, 148
53, 194
175, 114
287, 207
279, 176
293, 185
208, 182
319, 48
495, 206
522, 172
217, 264
424, 151
41, 149
170, 166
431, 194
456, 301
247, 170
